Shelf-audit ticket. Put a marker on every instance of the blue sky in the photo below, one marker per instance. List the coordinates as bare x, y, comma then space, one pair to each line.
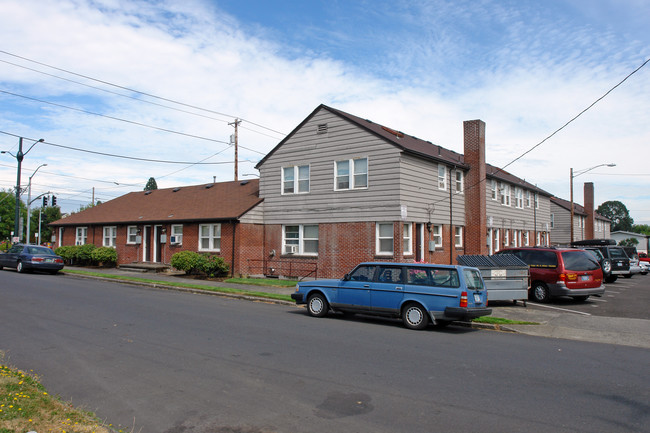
422, 67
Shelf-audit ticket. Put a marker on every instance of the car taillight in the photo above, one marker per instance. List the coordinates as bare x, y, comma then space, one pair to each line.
463, 299
58, 261
37, 259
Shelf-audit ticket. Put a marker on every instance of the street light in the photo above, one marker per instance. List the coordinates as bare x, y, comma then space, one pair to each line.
19, 157
576, 174
29, 202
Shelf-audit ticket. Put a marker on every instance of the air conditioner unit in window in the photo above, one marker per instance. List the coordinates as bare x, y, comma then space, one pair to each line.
175, 240
291, 249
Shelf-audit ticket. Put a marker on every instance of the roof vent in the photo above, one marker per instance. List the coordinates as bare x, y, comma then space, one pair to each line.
147, 192
208, 186
321, 128
392, 131
244, 182
176, 189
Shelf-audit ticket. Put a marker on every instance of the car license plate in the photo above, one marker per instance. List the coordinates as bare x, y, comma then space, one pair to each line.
477, 298
585, 278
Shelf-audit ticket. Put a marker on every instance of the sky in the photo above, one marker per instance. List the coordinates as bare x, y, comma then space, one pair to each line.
125, 90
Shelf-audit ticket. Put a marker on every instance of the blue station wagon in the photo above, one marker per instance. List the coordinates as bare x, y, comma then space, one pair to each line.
417, 293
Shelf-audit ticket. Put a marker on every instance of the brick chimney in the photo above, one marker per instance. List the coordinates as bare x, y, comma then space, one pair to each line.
475, 189
589, 209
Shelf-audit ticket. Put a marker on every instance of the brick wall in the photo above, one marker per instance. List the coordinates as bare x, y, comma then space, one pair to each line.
475, 204
589, 209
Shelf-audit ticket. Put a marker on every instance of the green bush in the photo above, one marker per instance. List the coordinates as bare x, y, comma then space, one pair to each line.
213, 266
106, 256
185, 261
83, 254
67, 253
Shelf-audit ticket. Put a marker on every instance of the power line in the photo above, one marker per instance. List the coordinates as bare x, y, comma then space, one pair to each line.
139, 92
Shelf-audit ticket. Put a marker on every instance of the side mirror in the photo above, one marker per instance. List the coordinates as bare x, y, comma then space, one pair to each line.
346, 277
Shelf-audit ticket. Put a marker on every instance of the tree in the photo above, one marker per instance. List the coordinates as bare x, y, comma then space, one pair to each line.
629, 242
641, 228
151, 184
618, 214
48, 215
8, 214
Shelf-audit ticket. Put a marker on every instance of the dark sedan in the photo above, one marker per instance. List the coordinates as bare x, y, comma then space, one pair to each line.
31, 257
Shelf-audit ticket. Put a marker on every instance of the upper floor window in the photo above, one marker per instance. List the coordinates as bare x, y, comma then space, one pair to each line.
519, 198
552, 220
384, 238
459, 184
528, 199
442, 177
300, 239
110, 235
493, 190
210, 237
351, 174
81, 235
295, 179
505, 194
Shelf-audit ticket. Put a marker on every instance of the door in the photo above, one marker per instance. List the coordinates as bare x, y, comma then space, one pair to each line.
146, 243
388, 289
354, 292
157, 245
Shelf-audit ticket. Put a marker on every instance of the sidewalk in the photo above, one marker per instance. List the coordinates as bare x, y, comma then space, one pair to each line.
553, 322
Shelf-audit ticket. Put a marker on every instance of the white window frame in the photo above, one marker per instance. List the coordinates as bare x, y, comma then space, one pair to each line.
495, 190
552, 220
442, 177
506, 237
407, 237
458, 236
379, 238
301, 240
81, 236
505, 194
297, 182
177, 231
526, 238
213, 237
131, 235
528, 199
353, 175
519, 198
437, 236
109, 236
459, 181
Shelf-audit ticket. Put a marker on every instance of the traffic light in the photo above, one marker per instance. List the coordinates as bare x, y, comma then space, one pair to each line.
45, 201
53, 200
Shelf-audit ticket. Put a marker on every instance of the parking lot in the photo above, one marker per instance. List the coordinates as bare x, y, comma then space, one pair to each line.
626, 298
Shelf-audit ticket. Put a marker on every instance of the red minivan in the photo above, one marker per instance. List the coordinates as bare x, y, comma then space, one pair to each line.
560, 272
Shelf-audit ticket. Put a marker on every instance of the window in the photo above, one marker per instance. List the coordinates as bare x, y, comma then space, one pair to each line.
300, 239
442, 177
384, 240
528, 199
437, 236
459, 182
363, 273
536, 201
408, 239
505, 194
519, 198
506, 237
552, 220
210, 237
110, 235
458, 236
81, 235
526, 238
177, 234
351, 174
295, 180
131, 234
493, 188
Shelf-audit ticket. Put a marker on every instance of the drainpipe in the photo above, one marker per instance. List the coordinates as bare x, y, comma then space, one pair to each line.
234, 235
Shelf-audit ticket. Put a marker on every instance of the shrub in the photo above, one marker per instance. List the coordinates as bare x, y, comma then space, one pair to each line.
83, 254
185, 261
67, 253
213, 266
104, 255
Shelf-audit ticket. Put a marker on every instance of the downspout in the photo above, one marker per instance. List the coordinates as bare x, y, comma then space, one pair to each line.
234, 235
451, 232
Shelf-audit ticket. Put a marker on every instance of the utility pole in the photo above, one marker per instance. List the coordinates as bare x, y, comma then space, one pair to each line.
235, 142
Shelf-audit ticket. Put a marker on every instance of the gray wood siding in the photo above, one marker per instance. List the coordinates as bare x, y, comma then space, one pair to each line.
379, 202
512, 217
254, 216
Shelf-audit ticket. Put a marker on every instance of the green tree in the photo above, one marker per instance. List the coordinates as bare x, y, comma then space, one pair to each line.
618, 214
151, 184
641, 228
8, 214
48, 214
629, 242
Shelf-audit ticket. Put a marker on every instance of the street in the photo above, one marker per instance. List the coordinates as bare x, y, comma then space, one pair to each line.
161, 361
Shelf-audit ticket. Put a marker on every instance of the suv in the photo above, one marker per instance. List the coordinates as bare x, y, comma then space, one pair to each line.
560, 272
618, 258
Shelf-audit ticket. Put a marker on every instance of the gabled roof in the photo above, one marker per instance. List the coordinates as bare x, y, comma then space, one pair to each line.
209, 202
577, 209
410, 144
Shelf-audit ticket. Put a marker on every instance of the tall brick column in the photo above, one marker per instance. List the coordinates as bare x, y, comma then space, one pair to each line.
589, 209
475, 188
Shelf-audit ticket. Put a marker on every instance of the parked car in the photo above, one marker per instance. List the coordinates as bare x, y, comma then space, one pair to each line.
560, 272
616, 255
645, 267
417, 293
605, 263
31, 257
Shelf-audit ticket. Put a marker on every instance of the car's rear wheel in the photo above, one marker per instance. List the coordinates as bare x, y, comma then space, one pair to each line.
415, 317
442, 323
19, 267
317, 305
581, 298
611, 278
607, 266
539, 292
628, 275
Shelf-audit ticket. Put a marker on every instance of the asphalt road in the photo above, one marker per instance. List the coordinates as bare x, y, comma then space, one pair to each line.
167, 362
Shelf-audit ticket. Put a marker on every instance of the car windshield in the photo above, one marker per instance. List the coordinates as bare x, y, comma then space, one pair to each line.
473, 279
579, 261
43, 251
